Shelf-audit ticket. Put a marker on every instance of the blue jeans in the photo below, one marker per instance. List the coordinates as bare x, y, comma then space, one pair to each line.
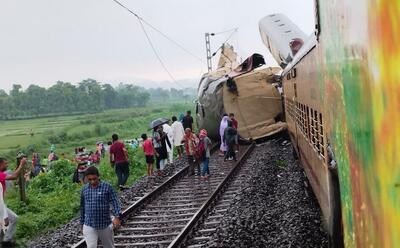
122, 171
204, 169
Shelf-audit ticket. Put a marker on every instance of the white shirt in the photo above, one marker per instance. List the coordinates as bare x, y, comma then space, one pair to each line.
3, 208
167, 129
177, 132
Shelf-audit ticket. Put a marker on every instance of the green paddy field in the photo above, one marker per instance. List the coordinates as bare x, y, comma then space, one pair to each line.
52, 198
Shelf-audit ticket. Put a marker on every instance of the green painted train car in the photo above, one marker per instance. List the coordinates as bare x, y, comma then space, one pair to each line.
341, 93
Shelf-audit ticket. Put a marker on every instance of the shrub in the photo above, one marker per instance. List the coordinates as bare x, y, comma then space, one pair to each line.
59, 175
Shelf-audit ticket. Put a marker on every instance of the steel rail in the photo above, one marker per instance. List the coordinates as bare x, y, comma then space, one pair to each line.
149, 196
180, 240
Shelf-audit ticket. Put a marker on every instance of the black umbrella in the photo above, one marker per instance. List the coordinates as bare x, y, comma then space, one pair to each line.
158, 122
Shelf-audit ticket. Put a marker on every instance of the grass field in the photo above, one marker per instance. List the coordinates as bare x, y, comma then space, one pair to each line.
52, 198
68, 132
16, 134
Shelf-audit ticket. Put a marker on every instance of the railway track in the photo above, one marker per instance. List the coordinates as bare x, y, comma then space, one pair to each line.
170, 215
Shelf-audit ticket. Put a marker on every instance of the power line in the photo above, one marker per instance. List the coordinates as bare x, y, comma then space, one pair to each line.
176, 43
226, 31
157, 30
151, 43
158, 57
229, 37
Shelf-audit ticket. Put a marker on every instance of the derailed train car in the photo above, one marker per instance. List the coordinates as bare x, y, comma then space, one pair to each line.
342, 95
249, 91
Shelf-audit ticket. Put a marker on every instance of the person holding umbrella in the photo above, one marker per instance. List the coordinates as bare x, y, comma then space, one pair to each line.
159, 142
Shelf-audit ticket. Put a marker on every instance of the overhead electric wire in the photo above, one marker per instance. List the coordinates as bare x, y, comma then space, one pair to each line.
151, 43
165, 36
229, 37
226, 31
158, 57
176, 43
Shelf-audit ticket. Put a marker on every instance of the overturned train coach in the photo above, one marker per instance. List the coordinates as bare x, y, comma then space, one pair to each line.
249, 91
341, 91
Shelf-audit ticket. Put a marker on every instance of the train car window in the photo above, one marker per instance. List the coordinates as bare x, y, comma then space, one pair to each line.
298, 113
303, 113
316, 131
317, 20
312, 127
321, 135
308, 123
293, 73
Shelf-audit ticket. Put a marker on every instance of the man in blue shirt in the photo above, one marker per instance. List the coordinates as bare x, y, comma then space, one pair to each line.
96, 198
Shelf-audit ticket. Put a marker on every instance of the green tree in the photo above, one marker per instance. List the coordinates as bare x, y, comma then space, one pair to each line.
35, 100
91, 95
3, 93
110, 96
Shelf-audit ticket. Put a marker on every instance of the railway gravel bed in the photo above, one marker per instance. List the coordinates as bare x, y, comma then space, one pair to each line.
70, 233
273, 207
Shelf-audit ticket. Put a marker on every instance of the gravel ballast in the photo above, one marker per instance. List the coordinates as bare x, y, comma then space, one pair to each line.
274, 208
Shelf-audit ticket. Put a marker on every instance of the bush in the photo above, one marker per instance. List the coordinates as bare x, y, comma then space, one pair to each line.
59, 175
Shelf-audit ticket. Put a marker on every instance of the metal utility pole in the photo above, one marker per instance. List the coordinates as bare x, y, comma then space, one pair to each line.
208, 49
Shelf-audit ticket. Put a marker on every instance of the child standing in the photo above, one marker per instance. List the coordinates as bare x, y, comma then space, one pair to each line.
149, 152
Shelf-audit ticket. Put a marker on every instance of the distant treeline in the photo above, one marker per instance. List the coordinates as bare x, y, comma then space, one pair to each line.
88, 96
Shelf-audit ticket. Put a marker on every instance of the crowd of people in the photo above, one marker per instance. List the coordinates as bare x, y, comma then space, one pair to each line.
158, 148
165, 138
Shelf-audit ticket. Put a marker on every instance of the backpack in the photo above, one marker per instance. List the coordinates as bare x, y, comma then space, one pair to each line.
201, 150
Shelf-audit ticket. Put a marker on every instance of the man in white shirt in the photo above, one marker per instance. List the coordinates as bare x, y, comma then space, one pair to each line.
168, 130
177, 135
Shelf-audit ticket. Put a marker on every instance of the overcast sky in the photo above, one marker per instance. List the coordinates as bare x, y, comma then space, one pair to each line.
43, 41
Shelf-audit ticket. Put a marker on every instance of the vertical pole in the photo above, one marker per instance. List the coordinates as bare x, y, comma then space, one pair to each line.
21, 183
22, 187
209, 66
